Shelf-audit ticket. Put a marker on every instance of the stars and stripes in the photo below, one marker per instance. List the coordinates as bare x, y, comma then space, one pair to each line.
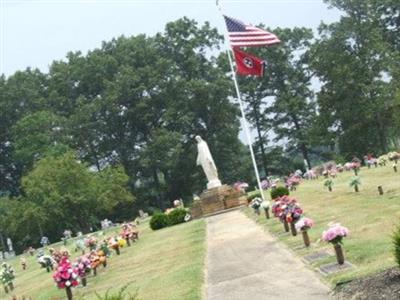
241, 35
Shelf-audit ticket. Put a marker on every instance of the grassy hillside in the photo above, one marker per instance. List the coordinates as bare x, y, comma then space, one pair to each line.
370, 218
165, 264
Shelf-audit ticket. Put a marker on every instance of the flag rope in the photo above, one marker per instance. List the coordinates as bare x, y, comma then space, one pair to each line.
244, 120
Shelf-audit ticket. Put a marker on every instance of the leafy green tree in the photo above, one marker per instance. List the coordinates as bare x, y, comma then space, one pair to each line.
35, 134
353, 60
22, 221
383, 13
65, 189
61, 192
114, 200
20, 94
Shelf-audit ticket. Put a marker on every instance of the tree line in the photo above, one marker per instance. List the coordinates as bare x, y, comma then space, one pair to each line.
106, 133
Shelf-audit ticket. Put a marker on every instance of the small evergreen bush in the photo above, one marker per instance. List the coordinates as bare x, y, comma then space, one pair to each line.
279, 192
176, 216
158, 221
355, 180
328, 183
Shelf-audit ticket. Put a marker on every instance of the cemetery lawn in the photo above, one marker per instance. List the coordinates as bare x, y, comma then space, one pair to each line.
163, 264
371, 219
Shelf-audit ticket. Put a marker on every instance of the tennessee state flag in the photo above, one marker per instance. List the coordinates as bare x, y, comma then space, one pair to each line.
247, 64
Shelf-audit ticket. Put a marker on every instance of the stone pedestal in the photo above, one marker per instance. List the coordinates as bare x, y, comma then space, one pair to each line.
217, 200
213, 184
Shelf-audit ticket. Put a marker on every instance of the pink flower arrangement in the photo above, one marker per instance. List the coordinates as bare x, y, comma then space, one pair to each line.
240, 186
277, 207
91, 242
335, 234
352, 166
310, 174
83, 266
66, 276
293, 181
304, 224
126, 232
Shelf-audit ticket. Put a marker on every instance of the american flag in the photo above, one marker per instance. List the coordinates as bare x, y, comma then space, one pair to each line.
242, 35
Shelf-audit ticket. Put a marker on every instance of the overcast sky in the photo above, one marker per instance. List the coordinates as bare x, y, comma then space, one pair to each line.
36, 32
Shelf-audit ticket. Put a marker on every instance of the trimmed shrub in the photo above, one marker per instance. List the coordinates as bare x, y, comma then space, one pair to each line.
279, 192
158, 221
253, 195
176, 216
396, 242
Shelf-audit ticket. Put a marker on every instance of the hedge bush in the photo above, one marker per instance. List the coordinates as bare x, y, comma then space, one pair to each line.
253, 195
396, 242
176, 216
158, 221
161, 220
279, 192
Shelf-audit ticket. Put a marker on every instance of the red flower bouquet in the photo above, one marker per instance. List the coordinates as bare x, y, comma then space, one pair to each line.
288, 211
66, 276
287, 208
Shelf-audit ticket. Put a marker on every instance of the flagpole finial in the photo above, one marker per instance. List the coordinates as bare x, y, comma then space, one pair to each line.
218, 5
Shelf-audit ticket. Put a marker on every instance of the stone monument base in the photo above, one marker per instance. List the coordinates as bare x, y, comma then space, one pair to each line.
213, 184
217, 200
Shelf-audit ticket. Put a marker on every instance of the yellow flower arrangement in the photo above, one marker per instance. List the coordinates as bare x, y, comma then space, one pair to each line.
121, 242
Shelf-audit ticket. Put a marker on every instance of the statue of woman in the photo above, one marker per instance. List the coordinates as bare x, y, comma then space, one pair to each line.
205, 160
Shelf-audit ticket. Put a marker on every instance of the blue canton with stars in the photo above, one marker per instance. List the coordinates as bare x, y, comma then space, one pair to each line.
234, 25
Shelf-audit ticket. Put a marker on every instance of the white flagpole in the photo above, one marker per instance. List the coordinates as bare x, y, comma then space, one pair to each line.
244, 121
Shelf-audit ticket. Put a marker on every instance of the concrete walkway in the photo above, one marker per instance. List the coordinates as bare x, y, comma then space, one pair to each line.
246, 263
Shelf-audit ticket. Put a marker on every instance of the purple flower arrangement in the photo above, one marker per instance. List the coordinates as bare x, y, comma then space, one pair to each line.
83, 266
265, 184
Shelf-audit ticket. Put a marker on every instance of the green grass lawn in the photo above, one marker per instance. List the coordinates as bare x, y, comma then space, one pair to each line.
370, 218
164, 264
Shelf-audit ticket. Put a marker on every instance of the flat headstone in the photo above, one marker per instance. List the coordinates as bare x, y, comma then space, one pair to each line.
334, 267
313, 257
300, 247
283, 233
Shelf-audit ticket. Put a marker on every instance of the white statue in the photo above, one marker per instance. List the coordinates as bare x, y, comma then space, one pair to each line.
205, 160
10, 245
